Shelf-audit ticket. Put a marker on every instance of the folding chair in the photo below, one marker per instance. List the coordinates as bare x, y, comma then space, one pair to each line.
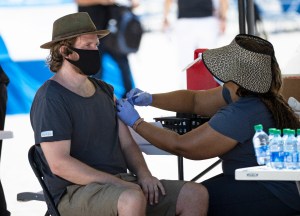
38, 166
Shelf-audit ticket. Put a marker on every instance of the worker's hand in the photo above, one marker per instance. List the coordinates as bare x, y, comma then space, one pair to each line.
138, 97
126, 112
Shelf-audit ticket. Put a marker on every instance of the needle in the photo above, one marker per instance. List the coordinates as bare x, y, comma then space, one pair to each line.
136, 95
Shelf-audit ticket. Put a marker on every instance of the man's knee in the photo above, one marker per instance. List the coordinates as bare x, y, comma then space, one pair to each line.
196, 190
132, 199
193, 198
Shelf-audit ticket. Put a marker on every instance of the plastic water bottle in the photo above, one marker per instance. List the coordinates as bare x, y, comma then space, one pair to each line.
271, 134
276, 151
285, 134
261, 143
290, 150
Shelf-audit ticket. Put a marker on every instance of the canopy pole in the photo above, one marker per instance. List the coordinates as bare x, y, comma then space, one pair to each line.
246, 11
250, 17
242, 21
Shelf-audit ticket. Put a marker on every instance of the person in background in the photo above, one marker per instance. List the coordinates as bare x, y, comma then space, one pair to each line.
100, 12
250, 95
3, 99
199, 24
87, 148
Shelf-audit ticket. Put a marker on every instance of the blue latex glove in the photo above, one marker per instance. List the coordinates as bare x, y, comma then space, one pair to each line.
126, 112
138, 97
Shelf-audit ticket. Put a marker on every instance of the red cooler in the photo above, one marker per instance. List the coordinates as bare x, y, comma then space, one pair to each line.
198, 77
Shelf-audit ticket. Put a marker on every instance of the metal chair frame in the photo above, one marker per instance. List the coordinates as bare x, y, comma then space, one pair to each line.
36, 165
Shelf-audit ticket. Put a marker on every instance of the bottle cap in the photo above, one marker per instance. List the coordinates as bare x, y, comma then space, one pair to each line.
292, 132
285, 131
258, 127
278, 131
272, 130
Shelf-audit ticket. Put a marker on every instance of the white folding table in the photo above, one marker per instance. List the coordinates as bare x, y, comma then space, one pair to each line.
267, 173
144, 145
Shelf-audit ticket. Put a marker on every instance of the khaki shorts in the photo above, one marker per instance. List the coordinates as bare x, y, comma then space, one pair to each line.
102, 199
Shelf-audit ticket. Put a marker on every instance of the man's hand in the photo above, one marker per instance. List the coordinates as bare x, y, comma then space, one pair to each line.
138, 97
151, 187
126, 112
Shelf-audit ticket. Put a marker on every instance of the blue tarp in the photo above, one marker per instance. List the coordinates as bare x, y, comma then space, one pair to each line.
27, 76
112, 75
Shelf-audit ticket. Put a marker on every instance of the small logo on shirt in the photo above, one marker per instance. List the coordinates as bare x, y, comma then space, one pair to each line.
47, 134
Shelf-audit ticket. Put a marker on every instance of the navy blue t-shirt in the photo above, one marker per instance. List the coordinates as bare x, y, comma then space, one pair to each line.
90, 123
237, 120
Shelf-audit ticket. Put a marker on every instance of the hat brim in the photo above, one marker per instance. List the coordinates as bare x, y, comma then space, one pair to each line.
100, 33
248, 69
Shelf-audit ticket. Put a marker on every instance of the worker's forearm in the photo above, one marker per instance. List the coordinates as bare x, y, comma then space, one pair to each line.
177, 101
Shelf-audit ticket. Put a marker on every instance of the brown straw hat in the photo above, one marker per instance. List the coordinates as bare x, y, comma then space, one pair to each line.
243, 66
73, 25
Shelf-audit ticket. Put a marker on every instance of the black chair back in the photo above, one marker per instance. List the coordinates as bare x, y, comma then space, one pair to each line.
37, 166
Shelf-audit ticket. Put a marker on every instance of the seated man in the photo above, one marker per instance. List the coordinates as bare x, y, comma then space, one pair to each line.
87, 147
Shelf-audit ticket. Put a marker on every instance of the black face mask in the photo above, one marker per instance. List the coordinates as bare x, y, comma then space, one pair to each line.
88, 62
